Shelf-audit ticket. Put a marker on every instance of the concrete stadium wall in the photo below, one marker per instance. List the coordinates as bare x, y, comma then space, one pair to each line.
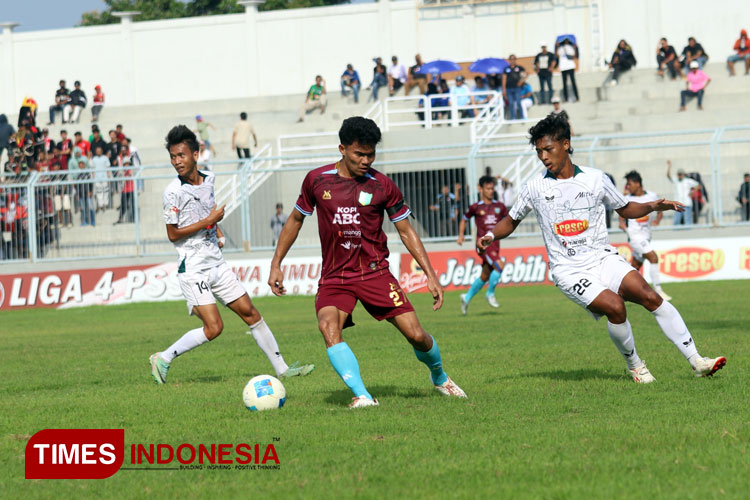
280, 52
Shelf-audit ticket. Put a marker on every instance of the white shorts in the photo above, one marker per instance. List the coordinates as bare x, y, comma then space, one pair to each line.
200, 287
582, 286
640, 246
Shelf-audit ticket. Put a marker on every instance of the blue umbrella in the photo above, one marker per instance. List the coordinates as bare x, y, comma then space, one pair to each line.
438, 66
570, 37
489, 65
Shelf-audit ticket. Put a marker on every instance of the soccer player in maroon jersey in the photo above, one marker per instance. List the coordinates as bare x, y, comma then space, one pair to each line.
352, 199
486, 213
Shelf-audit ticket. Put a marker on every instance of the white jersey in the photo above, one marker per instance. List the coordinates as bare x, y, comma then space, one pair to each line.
571, 215
639, 229
185, 204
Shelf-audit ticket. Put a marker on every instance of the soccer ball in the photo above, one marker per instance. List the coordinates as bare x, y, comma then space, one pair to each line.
264, 392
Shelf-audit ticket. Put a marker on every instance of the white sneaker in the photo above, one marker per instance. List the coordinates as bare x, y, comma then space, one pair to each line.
491, 300
641, 375
663, 294
464, 304
449, 388
705, 367
362, 401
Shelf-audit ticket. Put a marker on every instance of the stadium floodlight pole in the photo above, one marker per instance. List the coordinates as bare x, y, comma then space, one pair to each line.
8, 100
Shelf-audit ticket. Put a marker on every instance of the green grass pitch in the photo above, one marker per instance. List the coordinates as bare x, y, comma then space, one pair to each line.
551, 412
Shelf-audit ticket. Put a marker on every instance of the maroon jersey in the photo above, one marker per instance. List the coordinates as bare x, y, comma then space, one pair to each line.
350, 221
486, 215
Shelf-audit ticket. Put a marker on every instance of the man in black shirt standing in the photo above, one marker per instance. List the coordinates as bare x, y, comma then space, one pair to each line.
514, 77
62, 103
78, 101
666, 56
97, 141
744, 198
544, 63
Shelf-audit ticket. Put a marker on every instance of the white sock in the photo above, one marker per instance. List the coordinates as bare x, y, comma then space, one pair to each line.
190, 340
674, 328
266, 341
653, 271
622, 336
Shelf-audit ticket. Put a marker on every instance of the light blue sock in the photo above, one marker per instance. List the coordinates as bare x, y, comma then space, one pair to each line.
475, 287
433, 361
494, 278
343, 361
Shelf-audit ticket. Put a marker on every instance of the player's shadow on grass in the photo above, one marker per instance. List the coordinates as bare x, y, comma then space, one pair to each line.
344, 396
583, 374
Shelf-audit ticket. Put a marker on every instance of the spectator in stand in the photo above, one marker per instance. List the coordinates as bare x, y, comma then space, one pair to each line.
243, 129
622, 60
696, 84
77, 101
693, 51
201, 128
441, 102
744, 198
544, 64
28, 111
415, 78
82, 143
97, 141
742, 49
48, 145
62, 103
396, 76
100, 164
481, 86
127, 208
379, 78
463, 97
113, 149
66, 148
495, 81
85, 190
204, 157
505, 192
514, 77
315, 98
683, 193
527, 99
666, 57
119, 132
446, 208
6, 130
277, 222
699, 196
557, 109
350, 80
567, 60
96, 109
25, 152
42, 161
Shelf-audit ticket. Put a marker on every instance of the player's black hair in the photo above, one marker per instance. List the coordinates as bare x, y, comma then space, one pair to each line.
487, 179
360, 129
554, 125
243, 116
180, 134
634, 176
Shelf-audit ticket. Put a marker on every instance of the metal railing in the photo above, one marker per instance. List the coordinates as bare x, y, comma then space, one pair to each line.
47, 216
435, 110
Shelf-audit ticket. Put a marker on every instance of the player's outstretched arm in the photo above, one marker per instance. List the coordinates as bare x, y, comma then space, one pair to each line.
416, 249
635, 210
502, 229
288, 235
175, 233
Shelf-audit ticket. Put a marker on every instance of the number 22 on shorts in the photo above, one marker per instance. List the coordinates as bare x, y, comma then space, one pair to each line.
395, 296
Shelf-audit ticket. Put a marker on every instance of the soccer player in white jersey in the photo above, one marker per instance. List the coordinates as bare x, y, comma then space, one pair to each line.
191, 217
639, 230
569, 205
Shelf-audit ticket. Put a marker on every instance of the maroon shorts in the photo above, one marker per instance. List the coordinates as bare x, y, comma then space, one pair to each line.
381, 296
491, 256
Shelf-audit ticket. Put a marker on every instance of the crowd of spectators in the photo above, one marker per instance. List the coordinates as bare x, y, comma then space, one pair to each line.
78, 177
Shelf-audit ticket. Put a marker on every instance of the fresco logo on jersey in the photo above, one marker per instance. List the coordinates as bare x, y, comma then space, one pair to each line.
571, 227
